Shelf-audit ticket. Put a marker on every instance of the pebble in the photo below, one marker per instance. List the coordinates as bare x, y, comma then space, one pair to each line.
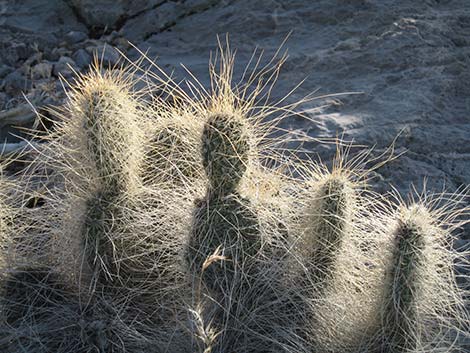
3, 100
64, 67
106, 54
56, 53
15, 83
4, 70
74, 37
22, 50
41, 70
122, 43
15, 52
81, 58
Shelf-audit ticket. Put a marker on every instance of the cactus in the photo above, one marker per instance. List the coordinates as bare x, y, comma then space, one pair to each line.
173, 156
107, 113
158, 215
329, 222
98, 213
224, 218
338, 276
423, 306
28, 289
401, 314
226, 148
120, 226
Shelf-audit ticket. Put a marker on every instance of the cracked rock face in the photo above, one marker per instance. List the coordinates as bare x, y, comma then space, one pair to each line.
407, 61
99, 13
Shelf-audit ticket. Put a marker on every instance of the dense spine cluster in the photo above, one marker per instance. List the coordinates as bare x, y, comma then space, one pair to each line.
327, 226
163, 228
416, 237
224, 219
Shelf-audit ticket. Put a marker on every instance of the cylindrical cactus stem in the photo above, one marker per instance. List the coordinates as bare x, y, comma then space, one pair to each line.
108, 115
224, 218
225, 152
98, 226
106, 112
328, 221
173, 156
230, 225
401, 316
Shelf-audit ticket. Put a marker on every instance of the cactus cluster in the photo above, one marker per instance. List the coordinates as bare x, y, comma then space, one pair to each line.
164, 226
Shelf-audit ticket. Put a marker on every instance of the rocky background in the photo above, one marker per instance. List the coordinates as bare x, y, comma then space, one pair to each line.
410, 59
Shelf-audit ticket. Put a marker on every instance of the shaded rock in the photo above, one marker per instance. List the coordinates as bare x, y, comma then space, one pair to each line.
104, 13
41, 70
408, 172
141, 6
82, 58
64, 67
158, 18
15, 83
40, 18
74, 37
454, 164
3, 100
121, 43
4, 70
150, 22
57, 53
111, 13
105, 53
409, 59
20, 115
14, 52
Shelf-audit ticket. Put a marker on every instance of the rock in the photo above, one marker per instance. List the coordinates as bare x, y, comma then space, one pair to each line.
121, 43
64, 67
74, 37
43, 20
110, 38
408, 172
110, 13
41, 70
3, 100
82, 58
15, 83
103, 13
105, 53
57, 53
21, 50
142, 6
161, 17
152, 21
5, 70
52, 55
13, 52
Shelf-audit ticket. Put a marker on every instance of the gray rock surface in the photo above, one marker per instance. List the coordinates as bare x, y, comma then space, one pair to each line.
82, 58
409, 59
64, 67
74, 37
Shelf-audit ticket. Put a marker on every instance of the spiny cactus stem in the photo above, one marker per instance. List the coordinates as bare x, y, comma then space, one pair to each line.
401, 315
225, 152
100, 141
102, 212
329, 228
